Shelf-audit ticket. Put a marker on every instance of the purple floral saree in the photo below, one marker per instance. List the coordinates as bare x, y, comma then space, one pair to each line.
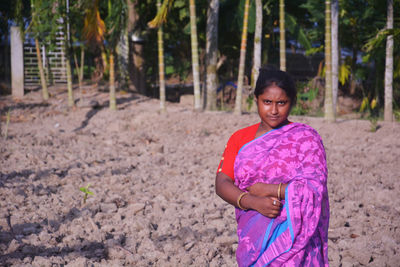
292, 154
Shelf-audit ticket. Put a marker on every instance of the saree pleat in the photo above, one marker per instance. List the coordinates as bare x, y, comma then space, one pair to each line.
292, 154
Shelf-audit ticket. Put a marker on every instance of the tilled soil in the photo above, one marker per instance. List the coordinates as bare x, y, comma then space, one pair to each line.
152, 177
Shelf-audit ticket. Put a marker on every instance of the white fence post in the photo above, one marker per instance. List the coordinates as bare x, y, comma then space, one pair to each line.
17, 63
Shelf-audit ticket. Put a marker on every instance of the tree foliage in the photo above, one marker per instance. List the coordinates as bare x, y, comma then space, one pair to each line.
45, 21
362, 34
94, 27
115, 21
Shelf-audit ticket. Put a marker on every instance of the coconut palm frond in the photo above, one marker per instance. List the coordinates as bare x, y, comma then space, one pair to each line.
344, 73
380, 38
115, 20
314, 50
295, 29
161, 16
94, 27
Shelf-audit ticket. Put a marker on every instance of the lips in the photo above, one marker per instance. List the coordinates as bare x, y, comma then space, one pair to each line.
273, 118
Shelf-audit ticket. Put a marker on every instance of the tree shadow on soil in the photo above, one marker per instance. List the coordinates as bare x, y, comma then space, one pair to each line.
90, 250
96, 107
21, 176
16, 232
19, 181
23, 106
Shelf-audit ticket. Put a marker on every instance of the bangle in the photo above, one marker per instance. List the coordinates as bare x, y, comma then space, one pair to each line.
240, 198
279, 191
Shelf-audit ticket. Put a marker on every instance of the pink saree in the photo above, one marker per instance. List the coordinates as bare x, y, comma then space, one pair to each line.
292, 154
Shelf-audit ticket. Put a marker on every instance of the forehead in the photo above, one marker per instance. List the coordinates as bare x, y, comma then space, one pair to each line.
274, 91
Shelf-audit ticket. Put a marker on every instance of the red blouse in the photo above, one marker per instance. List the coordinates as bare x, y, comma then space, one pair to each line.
235, 143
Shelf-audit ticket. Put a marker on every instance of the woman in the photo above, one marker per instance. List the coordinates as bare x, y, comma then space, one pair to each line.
275, 174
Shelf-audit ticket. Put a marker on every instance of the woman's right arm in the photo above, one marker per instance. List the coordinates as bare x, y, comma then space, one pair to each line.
226, 189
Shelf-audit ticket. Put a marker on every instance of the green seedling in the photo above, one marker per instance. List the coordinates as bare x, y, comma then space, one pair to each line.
87, 192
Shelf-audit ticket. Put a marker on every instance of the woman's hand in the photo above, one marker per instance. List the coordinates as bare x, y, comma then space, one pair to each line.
267, 206
270, 207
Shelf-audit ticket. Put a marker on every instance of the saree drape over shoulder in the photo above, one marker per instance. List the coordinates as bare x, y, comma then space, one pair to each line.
292, 154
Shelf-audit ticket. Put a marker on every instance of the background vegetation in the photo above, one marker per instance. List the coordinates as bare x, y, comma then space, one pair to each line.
97, 26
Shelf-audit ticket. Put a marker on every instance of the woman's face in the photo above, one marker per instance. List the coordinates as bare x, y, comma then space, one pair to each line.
273, 107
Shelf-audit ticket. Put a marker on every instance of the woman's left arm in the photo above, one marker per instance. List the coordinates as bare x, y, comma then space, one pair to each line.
268, 190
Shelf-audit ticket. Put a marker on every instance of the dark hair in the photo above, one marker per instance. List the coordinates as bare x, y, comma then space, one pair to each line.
269, 76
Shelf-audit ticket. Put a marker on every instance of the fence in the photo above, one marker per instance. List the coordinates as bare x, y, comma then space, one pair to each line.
53, 62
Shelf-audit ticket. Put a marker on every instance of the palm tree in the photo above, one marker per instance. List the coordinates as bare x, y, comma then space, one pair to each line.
195, 55
257, 44
115, 24
94, 28
67, 48
34, 26
335, 52
211, 54
113, 100
71, 101
43, 82
161, 62
388, 112
97, 30
161, 18
329, 114
80, 67
136, 47
282, 40
123, 59
238, 101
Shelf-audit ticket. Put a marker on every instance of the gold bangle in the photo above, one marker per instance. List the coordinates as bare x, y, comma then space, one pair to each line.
279, 191
240, 198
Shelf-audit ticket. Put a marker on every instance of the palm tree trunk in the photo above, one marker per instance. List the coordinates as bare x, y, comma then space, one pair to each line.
45, 92
113, 102
335, 52
71, 101
257, 44
238, 101
82, 65
104, 60
80, 70
67, 47
136, 49
212, 54
67, 55
195, 55
388, 113
329, 114
282, 39
161, 63
123, 59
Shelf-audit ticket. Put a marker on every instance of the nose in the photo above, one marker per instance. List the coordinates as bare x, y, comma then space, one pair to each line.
274, 110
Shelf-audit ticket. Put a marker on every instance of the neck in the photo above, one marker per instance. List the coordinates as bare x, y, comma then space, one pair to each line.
266, 128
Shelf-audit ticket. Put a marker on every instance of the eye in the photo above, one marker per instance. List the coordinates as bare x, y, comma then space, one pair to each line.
266, 101
282, 103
